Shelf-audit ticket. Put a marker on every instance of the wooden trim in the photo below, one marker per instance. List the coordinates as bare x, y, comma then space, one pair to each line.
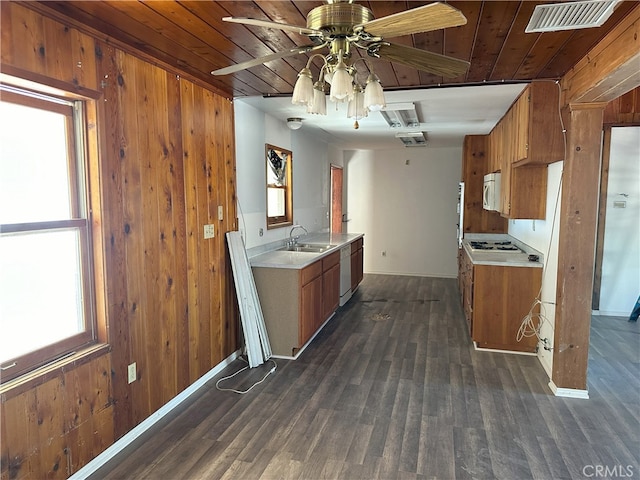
576, 247
98, 36
610, 69
286, 219
336, 174
15, 387
41, 83
602, 214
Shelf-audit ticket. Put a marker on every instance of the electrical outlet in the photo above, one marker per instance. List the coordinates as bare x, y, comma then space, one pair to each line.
131, 372
209, 231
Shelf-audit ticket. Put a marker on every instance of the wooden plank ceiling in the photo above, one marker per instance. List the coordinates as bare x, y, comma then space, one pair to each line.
191, 36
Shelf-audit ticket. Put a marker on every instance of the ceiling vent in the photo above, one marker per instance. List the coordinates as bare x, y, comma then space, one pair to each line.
412, 139
570, 15
400, 115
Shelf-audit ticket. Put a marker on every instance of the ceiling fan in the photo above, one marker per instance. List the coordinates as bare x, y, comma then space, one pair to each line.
341, 24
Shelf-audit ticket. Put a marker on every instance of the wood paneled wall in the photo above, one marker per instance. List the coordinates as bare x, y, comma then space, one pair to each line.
166, 165
624, 110
475, 164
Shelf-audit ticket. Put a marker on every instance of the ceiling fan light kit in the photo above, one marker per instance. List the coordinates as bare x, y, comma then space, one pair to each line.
303, 89
339, 25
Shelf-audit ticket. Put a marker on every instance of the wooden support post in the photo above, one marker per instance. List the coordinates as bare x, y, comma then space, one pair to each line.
576, 250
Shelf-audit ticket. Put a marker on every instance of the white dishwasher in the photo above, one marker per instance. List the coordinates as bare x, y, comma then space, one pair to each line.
345, 274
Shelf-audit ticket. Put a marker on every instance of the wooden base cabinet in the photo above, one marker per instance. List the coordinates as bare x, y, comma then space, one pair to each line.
465, 282
357, 262
495, 300
330, 285
295, 303
311, 313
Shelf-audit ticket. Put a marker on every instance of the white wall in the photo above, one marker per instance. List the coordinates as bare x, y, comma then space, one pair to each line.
407, 211
620, 285
311, 174
543, 236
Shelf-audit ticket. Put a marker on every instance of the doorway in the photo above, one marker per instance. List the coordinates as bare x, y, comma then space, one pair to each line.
336, 199
617, 267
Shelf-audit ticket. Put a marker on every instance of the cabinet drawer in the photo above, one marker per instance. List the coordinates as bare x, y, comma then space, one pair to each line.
357, 244
309, 273
330, 260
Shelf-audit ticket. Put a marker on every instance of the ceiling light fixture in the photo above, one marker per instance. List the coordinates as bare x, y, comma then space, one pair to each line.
399, 115
344, 86
412, 139
294, 123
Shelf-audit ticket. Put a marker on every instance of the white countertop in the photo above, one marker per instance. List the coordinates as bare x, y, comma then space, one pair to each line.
283, 259
503, 259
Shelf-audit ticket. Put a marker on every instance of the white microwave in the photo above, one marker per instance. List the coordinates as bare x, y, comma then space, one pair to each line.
491, 192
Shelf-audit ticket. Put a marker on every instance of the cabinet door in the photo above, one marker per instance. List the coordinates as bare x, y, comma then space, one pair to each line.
521, 121
466, 289
501, 299
357, 258
310, 309
330, 292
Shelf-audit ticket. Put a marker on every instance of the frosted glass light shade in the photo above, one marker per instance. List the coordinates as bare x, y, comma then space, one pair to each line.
356, 108
303, 89
319, 104
294, 123
341, 83
373, 94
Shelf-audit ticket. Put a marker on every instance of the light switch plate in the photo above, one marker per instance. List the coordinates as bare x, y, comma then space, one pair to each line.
220, 213
131, 372
209, 231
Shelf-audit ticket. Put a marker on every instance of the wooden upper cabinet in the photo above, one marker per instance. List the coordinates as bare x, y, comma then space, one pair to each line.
524, 192
521, 118
537, 130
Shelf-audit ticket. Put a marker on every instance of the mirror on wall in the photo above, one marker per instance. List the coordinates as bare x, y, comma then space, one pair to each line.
279, 183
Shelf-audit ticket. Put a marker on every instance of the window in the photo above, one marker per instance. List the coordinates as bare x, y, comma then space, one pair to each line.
46, 294
279, 194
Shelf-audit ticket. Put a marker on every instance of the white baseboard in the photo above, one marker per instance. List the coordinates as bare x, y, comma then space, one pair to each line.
497, 350
98, 462
568, 392
605, 313
414, 274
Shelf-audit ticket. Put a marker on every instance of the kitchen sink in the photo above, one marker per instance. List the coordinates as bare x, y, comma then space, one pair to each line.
308, 248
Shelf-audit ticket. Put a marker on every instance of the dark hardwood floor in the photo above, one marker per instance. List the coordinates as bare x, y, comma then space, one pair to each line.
392, 388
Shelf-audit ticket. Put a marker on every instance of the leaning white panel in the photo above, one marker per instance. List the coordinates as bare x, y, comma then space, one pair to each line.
253, 326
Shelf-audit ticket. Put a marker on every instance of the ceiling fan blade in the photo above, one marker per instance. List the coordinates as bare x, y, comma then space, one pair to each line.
268, 24
417, 20
420, 59
267, 58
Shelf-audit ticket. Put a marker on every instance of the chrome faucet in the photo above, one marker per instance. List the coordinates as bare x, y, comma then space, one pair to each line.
293, 240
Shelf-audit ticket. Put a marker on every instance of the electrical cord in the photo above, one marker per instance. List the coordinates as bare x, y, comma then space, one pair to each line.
242, 392
529, 326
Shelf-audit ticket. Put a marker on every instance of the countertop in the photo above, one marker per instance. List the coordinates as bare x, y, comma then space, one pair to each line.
503, 259
297, 260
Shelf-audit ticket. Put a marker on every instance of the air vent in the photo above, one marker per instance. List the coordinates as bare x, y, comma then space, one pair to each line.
412, 139
400, 115
570, 15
